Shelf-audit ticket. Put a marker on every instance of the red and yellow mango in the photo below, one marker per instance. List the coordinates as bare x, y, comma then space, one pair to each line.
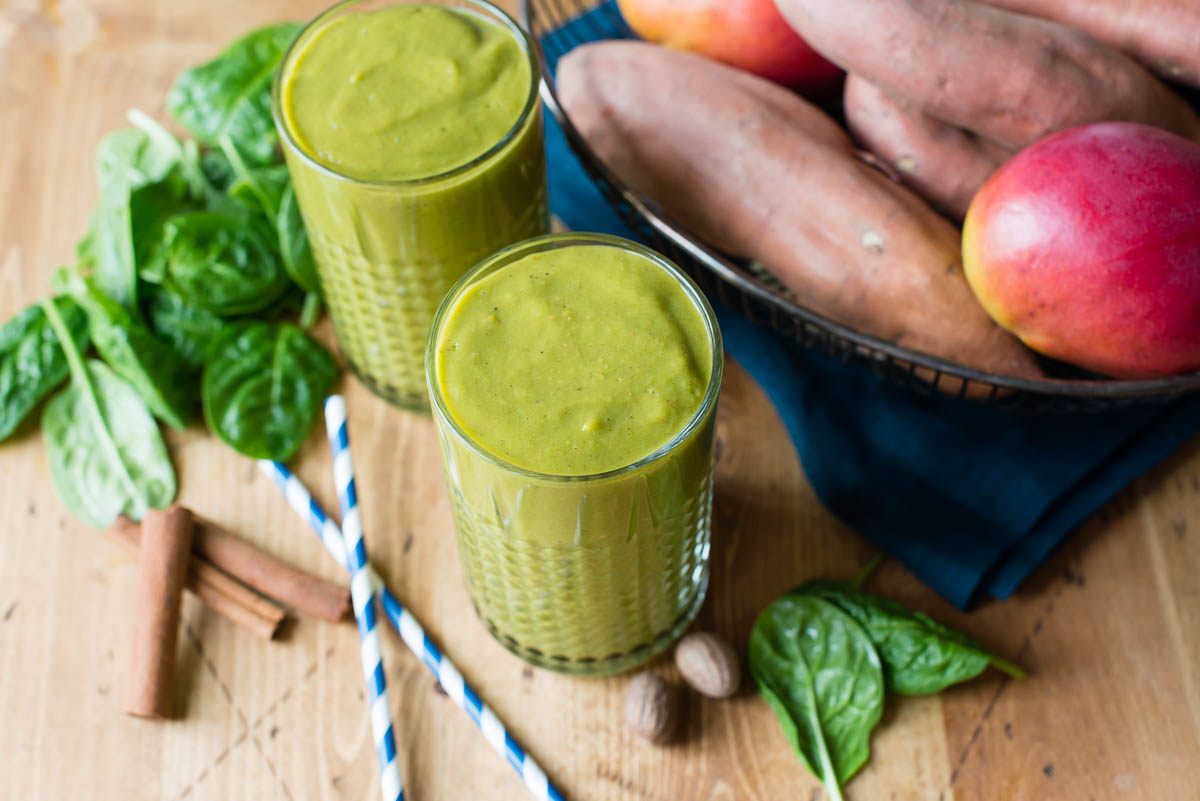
748, 34
1086, 245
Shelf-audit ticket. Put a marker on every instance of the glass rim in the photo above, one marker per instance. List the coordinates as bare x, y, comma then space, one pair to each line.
548, 241
528, 44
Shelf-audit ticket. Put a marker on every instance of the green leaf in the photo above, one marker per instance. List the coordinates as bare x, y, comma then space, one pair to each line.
85, 253
263, 385
149, 364
293, 243
128, 162
270, 190
231, 95
106, 454
32, 362
131, 157
817, 669
189, 330
150, 207
222, 263
310, 312
111, 248
920, 656
260, 188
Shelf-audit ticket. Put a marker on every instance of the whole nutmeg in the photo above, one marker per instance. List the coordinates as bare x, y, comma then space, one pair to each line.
709, 664
650, 707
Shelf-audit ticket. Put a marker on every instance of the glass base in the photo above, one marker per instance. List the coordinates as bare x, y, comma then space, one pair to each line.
605, 665
409, 401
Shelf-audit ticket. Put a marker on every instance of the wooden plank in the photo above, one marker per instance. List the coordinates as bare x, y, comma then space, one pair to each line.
1110, 627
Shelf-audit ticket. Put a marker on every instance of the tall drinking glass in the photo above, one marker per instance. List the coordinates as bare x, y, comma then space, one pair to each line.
413, 135
597, 568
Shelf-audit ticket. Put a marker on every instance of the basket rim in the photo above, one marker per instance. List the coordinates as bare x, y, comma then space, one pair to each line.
865, 344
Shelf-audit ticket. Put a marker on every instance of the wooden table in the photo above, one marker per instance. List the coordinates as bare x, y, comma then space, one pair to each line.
1109, 628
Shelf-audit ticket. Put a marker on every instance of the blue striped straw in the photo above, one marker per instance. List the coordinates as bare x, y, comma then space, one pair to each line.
362, 594
414, 636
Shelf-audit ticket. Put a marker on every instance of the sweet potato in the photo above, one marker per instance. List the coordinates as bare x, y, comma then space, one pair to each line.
1162, 34
1008, 77
941, 163
759, 173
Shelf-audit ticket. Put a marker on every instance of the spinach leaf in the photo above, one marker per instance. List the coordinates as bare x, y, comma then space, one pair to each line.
187, 329
137, 355
85, 249
32, 362
263, 384
216, 168
150, 207
294, 247
817, 669
259, 188
127, 160
222, 263
111, 247
105, 451
920, 656
132, 157
270, 189
231, 95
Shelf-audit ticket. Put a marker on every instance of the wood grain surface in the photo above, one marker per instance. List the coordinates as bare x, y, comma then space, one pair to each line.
1109, 628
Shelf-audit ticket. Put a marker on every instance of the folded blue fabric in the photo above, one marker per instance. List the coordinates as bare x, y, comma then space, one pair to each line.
970, 497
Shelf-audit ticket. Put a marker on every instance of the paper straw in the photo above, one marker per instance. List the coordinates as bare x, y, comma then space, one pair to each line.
414, 637
363, 597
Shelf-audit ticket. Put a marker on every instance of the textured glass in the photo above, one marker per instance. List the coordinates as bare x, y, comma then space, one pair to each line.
388, 251
584, 574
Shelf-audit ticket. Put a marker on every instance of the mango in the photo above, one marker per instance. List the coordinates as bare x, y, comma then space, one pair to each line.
748, 34
1086, 245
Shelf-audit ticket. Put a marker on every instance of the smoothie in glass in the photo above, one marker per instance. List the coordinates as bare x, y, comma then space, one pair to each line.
413, 135
574, 382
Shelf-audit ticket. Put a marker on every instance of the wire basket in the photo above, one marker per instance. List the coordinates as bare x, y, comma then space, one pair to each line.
763, 300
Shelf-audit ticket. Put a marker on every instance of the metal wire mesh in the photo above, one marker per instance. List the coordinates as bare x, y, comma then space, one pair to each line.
760, 300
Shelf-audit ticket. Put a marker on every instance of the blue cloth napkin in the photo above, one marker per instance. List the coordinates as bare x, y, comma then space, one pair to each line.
971, 498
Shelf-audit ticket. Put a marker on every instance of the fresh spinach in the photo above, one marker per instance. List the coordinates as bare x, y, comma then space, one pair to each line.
231, 95
270, 189
920, 656
817, 669
222, 263
110, 247
185, 242
137, 355
189, 330
133, 157
150, 207
32, 362
294, 246
258, 187
106, 454
263, 384
127, 161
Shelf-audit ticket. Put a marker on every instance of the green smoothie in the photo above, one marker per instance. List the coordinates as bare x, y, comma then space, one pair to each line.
574, 380
413, 136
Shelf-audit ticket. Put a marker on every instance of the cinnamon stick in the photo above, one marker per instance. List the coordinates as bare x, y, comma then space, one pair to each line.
272, 577
218, 591
163, 557
241, 606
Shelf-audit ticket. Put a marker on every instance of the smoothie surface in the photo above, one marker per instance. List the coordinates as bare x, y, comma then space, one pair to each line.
405, 92
574, 361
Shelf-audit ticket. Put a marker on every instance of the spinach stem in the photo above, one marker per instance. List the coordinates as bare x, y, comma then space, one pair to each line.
79, 373
147, 125
828, 773
1009, 668
311, 311
245, 176
861, 577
